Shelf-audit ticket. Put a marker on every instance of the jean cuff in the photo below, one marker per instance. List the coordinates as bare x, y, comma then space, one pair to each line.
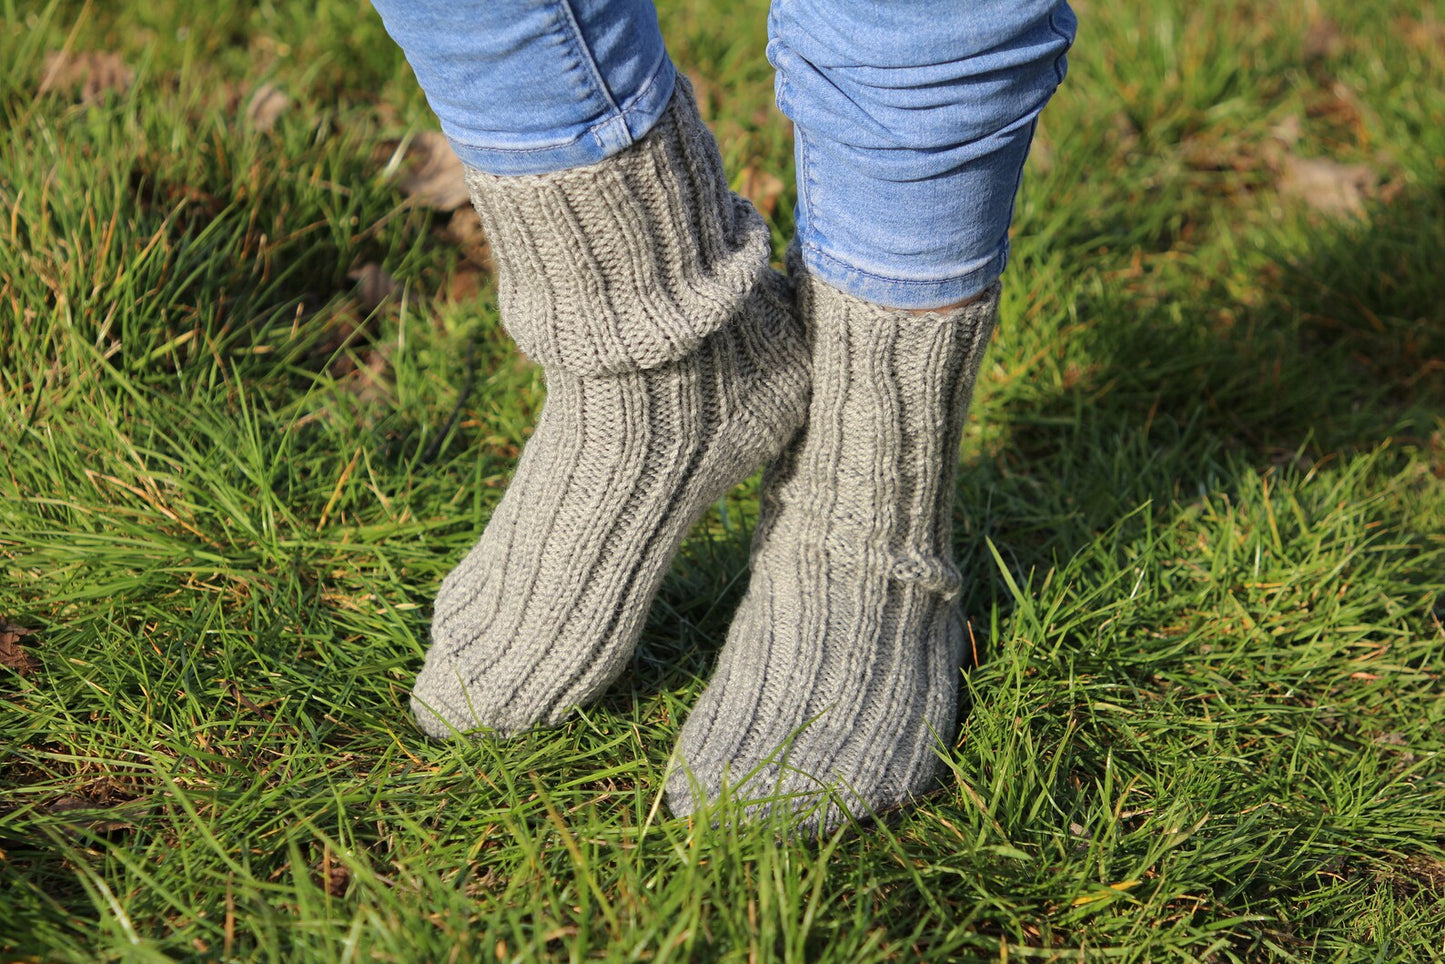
611, 135
900, 292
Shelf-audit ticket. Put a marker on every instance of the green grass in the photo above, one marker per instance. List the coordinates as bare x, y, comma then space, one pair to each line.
1202, 514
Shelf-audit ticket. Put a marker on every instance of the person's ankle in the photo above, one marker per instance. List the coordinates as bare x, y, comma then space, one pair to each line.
953, 307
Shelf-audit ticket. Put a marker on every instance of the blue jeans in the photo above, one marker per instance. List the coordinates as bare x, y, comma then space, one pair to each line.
912, 118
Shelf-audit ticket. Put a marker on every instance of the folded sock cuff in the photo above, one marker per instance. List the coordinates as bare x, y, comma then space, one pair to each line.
629, 263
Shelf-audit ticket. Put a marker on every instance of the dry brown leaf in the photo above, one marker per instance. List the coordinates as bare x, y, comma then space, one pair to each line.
364, 376
68, 803
1425, 34
433, 176
1124, 131
465, 231
94, 73
342, 327
761, 187
267, 104
333, 875
374, 286
369, 382
1412, 875
464, 284
1332, 188
12, 655
362, 369
1323, 40
1288, 130
1338, 105
101, 819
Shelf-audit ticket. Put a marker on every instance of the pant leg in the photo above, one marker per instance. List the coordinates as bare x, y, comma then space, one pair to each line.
912, 121
535, 86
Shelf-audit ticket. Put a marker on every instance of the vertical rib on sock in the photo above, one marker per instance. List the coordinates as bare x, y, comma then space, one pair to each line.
844, 657
674, 367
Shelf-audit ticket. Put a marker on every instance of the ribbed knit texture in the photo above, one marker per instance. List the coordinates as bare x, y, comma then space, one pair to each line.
674, 367
628, 263
842, 665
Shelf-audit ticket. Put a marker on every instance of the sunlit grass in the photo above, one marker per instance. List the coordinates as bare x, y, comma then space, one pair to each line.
1202, 515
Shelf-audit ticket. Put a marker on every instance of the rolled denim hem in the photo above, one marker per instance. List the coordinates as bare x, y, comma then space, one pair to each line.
613, 134
903, 292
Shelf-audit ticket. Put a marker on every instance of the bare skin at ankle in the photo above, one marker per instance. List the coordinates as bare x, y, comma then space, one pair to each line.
956, 304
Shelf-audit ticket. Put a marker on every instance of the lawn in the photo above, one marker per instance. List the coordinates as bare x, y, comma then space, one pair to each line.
255, 402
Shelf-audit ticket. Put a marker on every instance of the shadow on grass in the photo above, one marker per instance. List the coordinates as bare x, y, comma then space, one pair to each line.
1333, 351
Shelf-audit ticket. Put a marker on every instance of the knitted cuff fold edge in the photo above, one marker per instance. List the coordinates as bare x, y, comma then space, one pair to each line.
980, 311
625, 264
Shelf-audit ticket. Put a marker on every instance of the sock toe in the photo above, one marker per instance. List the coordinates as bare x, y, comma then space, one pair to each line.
841, 668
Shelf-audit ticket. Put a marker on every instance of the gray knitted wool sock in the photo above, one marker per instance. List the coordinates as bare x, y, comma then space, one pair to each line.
842, 665
674, 367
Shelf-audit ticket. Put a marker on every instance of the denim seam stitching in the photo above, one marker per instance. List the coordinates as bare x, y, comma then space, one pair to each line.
803, 175
481, 149
630, 107
1059, 70
812, 247
584, 52
591, 131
